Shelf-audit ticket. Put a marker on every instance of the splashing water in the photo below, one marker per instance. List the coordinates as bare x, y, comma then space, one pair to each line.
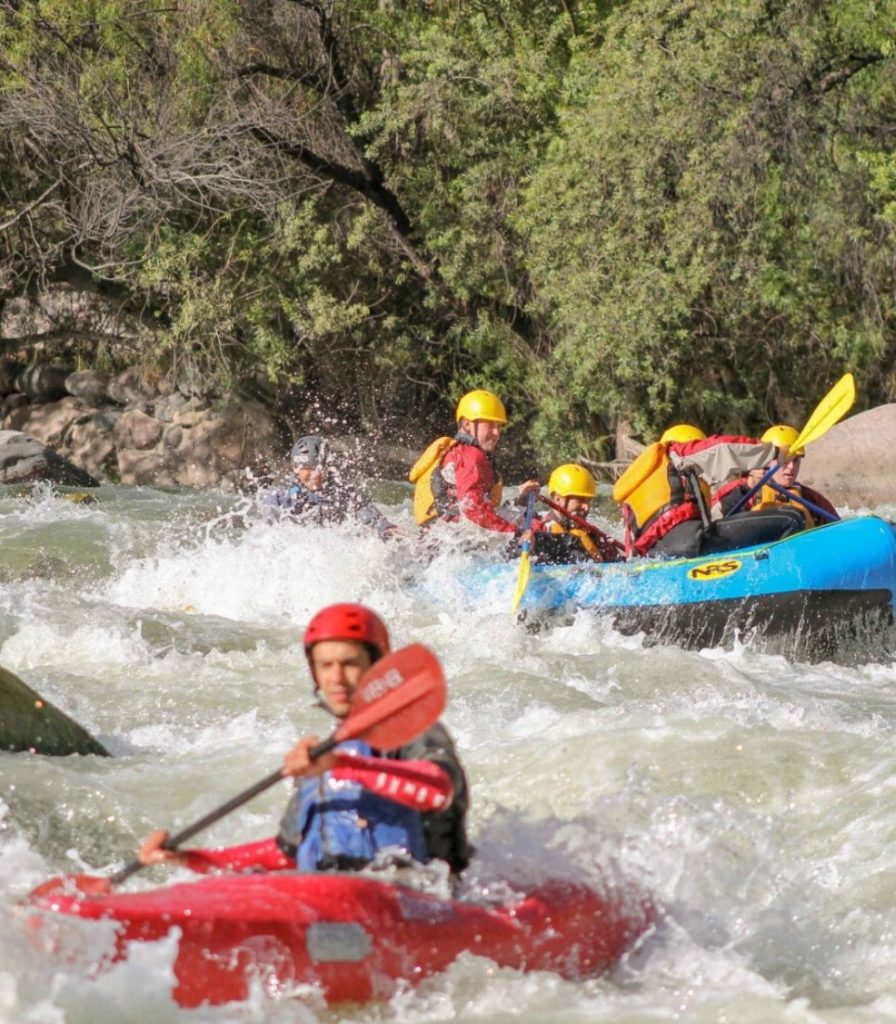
753, 796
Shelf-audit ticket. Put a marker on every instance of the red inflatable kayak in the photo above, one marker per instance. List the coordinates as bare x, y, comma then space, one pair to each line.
353, 936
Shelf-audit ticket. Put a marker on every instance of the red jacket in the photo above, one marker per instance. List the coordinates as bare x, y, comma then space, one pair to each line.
469, 479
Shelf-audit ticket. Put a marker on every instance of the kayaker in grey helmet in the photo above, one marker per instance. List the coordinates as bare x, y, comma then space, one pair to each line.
354, 804
318, 496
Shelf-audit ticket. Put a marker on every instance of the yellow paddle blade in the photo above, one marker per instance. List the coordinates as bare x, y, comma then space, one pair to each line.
830, 410
522, 580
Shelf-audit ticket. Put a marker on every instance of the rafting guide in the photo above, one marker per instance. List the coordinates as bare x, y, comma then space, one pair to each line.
356, 802
456, 479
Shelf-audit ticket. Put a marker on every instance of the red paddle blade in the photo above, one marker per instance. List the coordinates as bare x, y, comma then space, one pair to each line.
399, 697
70, 885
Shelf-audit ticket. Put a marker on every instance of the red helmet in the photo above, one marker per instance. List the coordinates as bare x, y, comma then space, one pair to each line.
348, 622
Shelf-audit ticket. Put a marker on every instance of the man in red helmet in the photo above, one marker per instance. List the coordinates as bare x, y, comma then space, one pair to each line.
334, 821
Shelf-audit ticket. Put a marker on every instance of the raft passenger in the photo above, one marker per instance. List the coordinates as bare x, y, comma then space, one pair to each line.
561, 539
781, 490
333, 823
456, 477
665, 496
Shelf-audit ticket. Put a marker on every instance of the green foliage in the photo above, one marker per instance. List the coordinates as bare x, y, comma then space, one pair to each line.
611, 213
703, 239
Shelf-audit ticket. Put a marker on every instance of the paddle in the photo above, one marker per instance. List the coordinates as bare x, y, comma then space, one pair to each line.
522, 579
830, 410
610, 548
397, 698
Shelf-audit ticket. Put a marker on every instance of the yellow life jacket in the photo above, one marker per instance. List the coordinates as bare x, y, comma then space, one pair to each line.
421, 476
652, 486
645, 486
583, 536
771, 498
432, 495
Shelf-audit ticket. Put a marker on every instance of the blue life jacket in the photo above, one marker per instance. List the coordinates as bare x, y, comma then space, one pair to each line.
333, 823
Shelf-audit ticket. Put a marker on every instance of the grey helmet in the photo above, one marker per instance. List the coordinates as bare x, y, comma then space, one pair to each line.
309, 451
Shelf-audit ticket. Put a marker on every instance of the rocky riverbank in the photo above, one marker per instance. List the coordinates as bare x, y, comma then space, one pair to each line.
118, 429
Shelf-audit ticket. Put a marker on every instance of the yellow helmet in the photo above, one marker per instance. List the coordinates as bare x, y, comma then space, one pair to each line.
782, 436
682, 432
572, 481
481, 405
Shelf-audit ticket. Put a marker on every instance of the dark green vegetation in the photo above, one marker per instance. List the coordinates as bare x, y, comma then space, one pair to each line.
611, 212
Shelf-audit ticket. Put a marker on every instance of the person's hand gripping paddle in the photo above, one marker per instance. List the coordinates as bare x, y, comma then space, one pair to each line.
398, 697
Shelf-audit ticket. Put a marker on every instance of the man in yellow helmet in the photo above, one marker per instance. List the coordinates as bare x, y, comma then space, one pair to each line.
781, 490
572, 488
456, 477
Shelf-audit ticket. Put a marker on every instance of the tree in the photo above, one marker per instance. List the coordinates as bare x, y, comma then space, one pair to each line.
705, 235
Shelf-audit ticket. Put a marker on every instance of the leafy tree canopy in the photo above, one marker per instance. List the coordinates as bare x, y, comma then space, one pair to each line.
617, 213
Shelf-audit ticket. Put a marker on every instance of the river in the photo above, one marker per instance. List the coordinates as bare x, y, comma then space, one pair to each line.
754, 797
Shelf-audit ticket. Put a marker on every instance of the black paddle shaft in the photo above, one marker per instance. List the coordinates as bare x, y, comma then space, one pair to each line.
173, 842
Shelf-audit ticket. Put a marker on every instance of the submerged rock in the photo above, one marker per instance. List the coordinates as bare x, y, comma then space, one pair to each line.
30, 723
23, 459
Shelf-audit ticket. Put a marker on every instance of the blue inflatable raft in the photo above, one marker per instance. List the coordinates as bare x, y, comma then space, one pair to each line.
820, 584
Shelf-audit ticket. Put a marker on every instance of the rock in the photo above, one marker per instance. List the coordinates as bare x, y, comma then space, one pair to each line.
89, 443
137, 430
30, 723
9, 372
165, 386
151, 469
23, 459
173, 436
127, 387
48, 423
854, 463
46, 383
89, 385
12, 402
190, 412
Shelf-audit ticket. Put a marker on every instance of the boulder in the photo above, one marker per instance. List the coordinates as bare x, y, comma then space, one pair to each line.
135, 429
128, 387
49, 422
9, 372
149, 469
13, 401
89, 443
854, 463
89, 385
30, 723
46, 383
23, 459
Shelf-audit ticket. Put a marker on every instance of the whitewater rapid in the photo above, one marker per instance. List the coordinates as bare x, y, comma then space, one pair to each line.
753, 797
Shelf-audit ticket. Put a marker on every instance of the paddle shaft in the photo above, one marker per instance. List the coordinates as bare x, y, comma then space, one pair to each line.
173, 842
810, 505
523, 577
754, 490
608, 543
